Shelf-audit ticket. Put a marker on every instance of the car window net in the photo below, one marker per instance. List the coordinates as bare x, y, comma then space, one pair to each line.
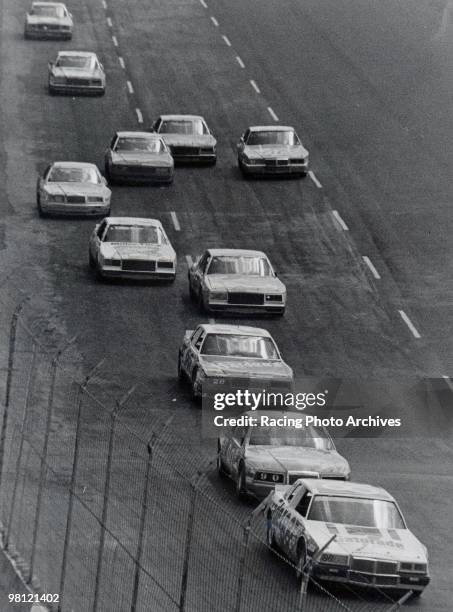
254, 266
136, 234
192, 128
74, 175
257, 347
139, 144
352, 511
273, 137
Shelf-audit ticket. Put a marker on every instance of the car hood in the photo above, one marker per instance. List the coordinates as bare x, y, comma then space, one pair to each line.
368, 542
297, 459
76, 189
46, 20
275, 151
142, 157
246, 283
189, 140
241, 368
137, 251
75, 73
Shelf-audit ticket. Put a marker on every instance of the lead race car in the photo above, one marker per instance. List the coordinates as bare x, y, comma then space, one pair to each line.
133, 248
258, 457
366, 539
76, 72
236, 280
48, 20
231, 356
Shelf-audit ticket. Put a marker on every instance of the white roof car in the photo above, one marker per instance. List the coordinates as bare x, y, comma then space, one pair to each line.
76, 72
48, 20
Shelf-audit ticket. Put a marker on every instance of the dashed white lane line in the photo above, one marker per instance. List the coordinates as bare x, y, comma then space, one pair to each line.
115, 41
174, 218
129, 87
203, 3
122, 64
369, 263
104, 4
448, 381
227, 40
189, 261
338, 219
272, 113
314, 178
240, 62
214, 21
255, 86
109, 22
139, 115
409, 323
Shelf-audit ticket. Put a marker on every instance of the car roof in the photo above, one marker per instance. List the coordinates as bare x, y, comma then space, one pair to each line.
69, 164
235, 252
346, 489
132, 221
270, 128
78, 53
138, 134
244, 330
180, 117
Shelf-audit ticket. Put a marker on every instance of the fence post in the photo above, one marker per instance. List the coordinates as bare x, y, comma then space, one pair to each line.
401, 601
21, 446
141, 533
245, 543
306, 571
113, 416
42, 475
185, 570
9, 378
75, 461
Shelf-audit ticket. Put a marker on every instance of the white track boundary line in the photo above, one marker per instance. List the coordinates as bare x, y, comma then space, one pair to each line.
115, 40
409, 323
255, 86
139, 115
214, 21
109, 22
272, 113
338, 219
129, 87
314, 178
174, 218
240, 62
203, 4
227, 40
369, 263
122, 64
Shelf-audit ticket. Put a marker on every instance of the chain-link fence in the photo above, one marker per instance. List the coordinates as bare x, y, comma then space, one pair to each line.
111, 520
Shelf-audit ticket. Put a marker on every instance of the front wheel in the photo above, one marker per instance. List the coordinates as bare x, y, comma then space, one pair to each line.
196, 392
241, 488
181, 375
91, 260
301, 567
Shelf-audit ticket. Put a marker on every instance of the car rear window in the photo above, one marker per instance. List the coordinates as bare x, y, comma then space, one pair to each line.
48, 11
74, 175
253, 266
135, 234
273, 137
130, 143
193, 127
232, 345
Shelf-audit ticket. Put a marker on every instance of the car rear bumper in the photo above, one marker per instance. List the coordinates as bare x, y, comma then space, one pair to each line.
247, 309
82, 210
195, 158
139, 174
264, 170
94, 90
137, 275
41, 34
344, 575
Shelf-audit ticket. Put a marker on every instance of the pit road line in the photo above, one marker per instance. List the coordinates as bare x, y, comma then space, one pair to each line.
409, 323
369, 263
174, 218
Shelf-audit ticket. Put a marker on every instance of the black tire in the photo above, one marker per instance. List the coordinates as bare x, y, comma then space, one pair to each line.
241, 488
221, 471
192, 293
200, 301
51, 91
91, 261
212, 162
41, 213
280, 314
181, 375
107, 173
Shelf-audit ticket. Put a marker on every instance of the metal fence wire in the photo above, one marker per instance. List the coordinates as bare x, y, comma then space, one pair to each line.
112, 521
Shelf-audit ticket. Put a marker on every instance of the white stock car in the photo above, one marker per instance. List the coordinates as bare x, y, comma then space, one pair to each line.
234, 356
372, 546
188, 138
271, 150
138, 157
48, 20
236, 280
76, 72
133, 248
72, 188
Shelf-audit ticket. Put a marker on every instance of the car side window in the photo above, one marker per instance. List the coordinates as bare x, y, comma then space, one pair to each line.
113, 142
205, 128
196, 335
239, 434
101, 229
203, 262
199, 341
46, 172
245, 135
303, 505
157, 124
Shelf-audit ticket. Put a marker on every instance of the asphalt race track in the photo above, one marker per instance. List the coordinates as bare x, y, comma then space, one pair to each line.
368, 86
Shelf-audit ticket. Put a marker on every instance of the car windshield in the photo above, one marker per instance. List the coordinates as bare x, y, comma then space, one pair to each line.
81, 62
353, 511
132, 143
253, 266
74, 175
193, 127
232, 345
307, 437
136, 234
273, 137
48, 11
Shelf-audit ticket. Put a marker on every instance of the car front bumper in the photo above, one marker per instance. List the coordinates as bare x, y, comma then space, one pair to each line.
333, 573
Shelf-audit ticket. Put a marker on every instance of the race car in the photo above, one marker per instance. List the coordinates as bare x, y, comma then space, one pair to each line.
132, 248
48, 20
76, 72
236, 280
138, 157
271, 150
72, 188
234, 356
188, 138
371, 544
263, 454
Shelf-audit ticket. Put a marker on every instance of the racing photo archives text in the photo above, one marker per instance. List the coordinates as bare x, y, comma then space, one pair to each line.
265, 420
